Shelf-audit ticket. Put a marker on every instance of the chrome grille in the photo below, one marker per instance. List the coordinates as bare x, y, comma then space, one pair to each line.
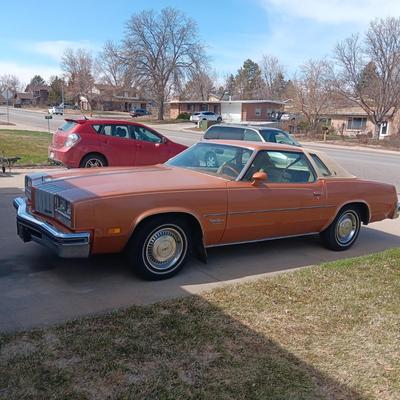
44, 198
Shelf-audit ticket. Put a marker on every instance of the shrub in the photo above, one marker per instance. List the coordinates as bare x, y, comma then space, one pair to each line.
184, 116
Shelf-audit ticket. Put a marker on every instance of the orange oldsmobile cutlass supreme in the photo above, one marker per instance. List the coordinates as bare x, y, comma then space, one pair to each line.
161, 214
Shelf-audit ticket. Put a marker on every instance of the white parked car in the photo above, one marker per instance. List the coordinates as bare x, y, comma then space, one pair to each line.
205, 116
56, 110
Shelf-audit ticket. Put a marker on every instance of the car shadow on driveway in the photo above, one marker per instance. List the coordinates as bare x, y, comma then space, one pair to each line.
38, 288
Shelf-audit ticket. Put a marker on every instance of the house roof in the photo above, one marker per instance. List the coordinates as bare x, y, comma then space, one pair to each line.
23, 95
224, 101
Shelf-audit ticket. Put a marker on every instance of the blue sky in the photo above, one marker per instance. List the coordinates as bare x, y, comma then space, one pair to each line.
34, 34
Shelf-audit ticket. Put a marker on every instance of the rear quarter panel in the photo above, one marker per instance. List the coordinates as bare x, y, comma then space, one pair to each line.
380, 198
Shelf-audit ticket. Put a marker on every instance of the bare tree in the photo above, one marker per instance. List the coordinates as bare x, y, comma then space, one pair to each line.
78, 68
273, 74
112, 67
199, 87
311, 90
10, 82
369, 70
162, 49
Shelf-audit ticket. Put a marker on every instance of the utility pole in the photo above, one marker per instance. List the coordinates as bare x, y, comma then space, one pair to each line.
8, 100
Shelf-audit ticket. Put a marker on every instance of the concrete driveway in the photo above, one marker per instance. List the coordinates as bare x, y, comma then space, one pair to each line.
37, 288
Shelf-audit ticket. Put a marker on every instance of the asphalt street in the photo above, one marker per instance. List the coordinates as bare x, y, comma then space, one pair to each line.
38, 289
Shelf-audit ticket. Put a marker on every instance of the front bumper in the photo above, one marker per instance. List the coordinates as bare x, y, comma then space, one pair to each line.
65, 245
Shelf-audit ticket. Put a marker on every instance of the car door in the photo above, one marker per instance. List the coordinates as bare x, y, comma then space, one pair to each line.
289, 203
151, 148
117, 145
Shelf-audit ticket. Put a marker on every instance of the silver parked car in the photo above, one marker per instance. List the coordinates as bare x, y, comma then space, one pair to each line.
205, 116
252, 133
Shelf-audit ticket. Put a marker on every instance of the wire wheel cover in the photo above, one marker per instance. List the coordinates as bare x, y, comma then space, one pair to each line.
164, 247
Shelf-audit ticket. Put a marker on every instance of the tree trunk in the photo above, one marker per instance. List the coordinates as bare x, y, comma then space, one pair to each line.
161, 109
377, 129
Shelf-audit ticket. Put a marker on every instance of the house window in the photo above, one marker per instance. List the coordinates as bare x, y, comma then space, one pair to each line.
356, 123
258, 112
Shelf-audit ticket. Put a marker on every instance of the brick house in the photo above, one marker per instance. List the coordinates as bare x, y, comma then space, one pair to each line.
40, 94
116, 98
230, 110
23, 99
354, 120
177, 107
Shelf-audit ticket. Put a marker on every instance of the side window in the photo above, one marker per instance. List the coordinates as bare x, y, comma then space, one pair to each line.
322, 168
280, 137
251, 135
116, 131
231, 133
97, 128
212, 133
107, 130
144, 134
282, 167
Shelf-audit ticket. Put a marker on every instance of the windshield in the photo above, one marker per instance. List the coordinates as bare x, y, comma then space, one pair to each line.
213, 159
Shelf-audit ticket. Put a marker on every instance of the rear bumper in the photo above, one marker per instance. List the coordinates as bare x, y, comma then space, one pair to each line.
65, 245
65, 156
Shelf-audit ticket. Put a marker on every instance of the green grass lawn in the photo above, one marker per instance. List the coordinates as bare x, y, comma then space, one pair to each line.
326, 332
30, 146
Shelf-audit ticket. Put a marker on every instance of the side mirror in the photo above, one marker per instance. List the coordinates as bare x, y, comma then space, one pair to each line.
164, 140
258, 178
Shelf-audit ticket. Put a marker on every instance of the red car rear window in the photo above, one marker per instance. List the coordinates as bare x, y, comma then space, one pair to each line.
67, 126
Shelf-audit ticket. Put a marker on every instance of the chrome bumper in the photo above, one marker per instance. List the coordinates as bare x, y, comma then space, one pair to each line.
66, 245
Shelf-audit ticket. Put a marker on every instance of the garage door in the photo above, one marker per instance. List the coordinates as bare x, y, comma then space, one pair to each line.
231, 112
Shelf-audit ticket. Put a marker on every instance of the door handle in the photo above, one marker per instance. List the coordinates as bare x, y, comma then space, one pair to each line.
317, 194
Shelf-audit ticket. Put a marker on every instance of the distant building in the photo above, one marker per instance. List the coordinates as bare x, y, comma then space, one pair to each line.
116, 98
23, 99
230, 110
353, 120
40, 94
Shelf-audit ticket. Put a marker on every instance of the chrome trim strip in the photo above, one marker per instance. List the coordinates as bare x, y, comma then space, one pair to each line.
278, 209
214, 214
66, 245
261, 240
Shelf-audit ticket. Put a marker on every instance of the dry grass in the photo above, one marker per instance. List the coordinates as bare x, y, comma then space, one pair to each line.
328, 332
30, 146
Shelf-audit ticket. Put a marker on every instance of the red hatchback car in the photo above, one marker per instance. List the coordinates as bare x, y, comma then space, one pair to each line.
89, 143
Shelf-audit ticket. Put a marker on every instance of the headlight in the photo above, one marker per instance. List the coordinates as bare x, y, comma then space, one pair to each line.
72, 139
62, 209
28, 187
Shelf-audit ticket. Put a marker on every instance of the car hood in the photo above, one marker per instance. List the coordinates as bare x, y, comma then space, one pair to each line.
84, 184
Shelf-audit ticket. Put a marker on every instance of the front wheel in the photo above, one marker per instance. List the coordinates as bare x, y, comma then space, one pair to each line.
160, 248
219, 119
343, 231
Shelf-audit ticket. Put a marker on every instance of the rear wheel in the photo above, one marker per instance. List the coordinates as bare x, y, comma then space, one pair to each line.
343, 231
160, 248
93, 161
219, 119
